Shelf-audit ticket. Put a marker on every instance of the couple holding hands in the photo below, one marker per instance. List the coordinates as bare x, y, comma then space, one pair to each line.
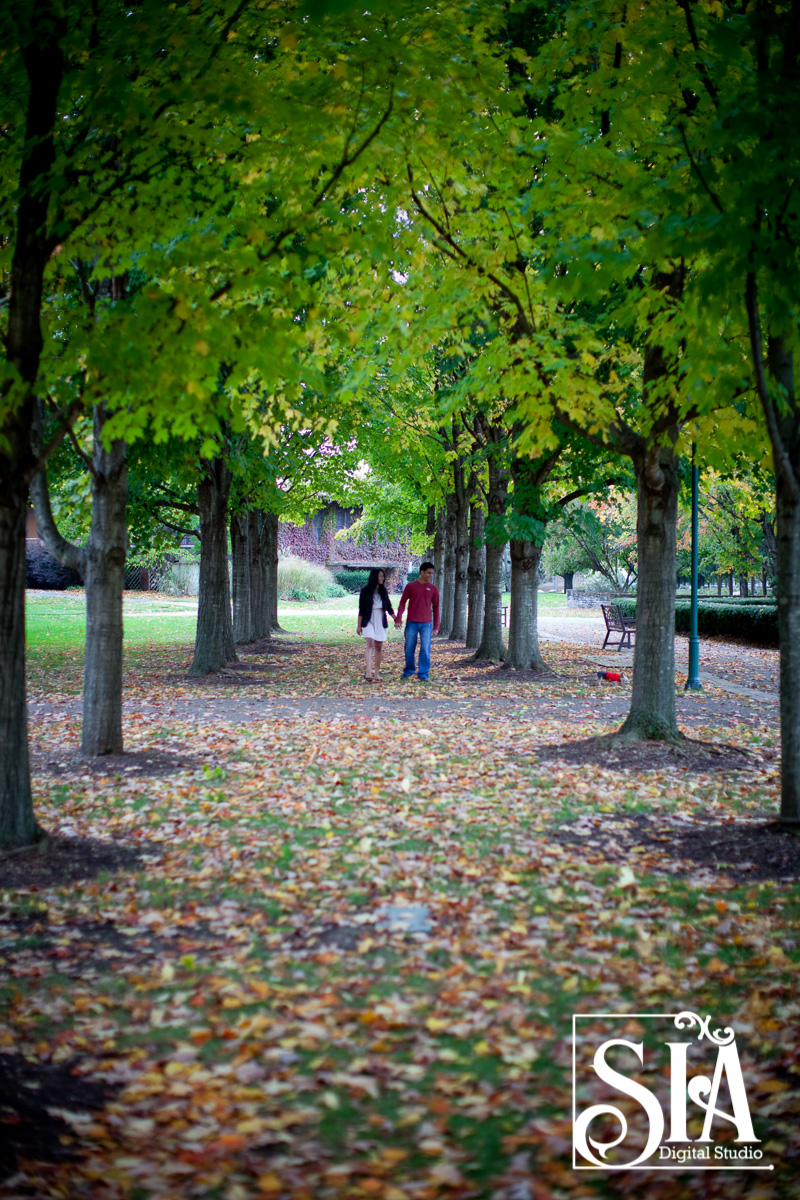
422, 599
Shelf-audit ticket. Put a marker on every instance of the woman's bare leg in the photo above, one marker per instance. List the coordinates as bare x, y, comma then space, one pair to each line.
378, 652
369, 644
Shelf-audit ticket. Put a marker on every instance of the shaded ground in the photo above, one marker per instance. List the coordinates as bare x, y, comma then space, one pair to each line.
687, 755
744, 850
60, 860
142, 763
31, 1097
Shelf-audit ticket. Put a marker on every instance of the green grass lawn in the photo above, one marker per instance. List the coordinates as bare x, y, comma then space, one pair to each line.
55, 623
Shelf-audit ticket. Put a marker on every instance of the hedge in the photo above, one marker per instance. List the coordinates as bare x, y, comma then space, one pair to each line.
736, 600
355, 580
352, 581
755, 623
724, 599
45, 572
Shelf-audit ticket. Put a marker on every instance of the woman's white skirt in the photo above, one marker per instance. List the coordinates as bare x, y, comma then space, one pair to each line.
376, 632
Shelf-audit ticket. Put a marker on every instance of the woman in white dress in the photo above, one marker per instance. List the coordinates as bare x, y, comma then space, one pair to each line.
373, 605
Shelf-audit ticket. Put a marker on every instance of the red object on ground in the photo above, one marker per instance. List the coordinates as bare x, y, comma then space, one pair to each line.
610, 676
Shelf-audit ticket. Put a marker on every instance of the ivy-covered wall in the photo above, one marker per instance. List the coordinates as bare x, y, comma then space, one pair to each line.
315, 541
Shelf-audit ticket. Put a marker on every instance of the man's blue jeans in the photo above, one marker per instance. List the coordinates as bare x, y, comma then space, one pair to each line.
423, 630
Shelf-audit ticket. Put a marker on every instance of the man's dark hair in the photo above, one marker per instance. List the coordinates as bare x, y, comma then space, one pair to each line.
426, 566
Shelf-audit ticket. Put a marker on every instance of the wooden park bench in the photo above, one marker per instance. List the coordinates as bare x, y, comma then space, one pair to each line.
616, 623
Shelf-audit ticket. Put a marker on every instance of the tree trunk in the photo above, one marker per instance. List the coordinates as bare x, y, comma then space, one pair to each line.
476, 573
743, 590
430, 530
447, 595
785, 436
101, 562
730, 583
523, 652
569, 580
214, 645
458, 628
259, 616
240, 578
788, 555
652, 712
104, 579
768, 525
270, 554
506, 568
44, 63
17, 823
492, 647
439, 539
719, 585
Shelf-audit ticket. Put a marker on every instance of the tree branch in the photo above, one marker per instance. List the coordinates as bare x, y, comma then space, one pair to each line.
42, 452
66, 552
178, 528
708, 83
620, 437
456, 251
345, 161
189, 508
611, 481
714, 197
781, 456
84, 457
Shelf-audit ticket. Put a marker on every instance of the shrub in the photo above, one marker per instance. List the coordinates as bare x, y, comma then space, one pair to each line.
354, 580
45, 572
736, 600
301, 580
755, 623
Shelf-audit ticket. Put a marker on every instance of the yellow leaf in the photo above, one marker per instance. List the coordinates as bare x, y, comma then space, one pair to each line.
436, 1024
773, 1085
251, 1125
269, 1182
393, 1155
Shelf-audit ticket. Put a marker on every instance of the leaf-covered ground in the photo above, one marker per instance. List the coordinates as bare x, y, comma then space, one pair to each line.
340, 931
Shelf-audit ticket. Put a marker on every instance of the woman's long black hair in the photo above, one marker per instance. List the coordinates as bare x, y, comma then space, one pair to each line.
372, 583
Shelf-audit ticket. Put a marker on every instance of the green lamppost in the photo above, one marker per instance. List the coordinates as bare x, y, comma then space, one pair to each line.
693, 682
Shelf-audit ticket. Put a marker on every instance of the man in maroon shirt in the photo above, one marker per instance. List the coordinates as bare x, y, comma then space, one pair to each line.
421, 597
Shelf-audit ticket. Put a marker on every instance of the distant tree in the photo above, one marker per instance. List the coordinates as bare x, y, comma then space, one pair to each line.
596, 535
